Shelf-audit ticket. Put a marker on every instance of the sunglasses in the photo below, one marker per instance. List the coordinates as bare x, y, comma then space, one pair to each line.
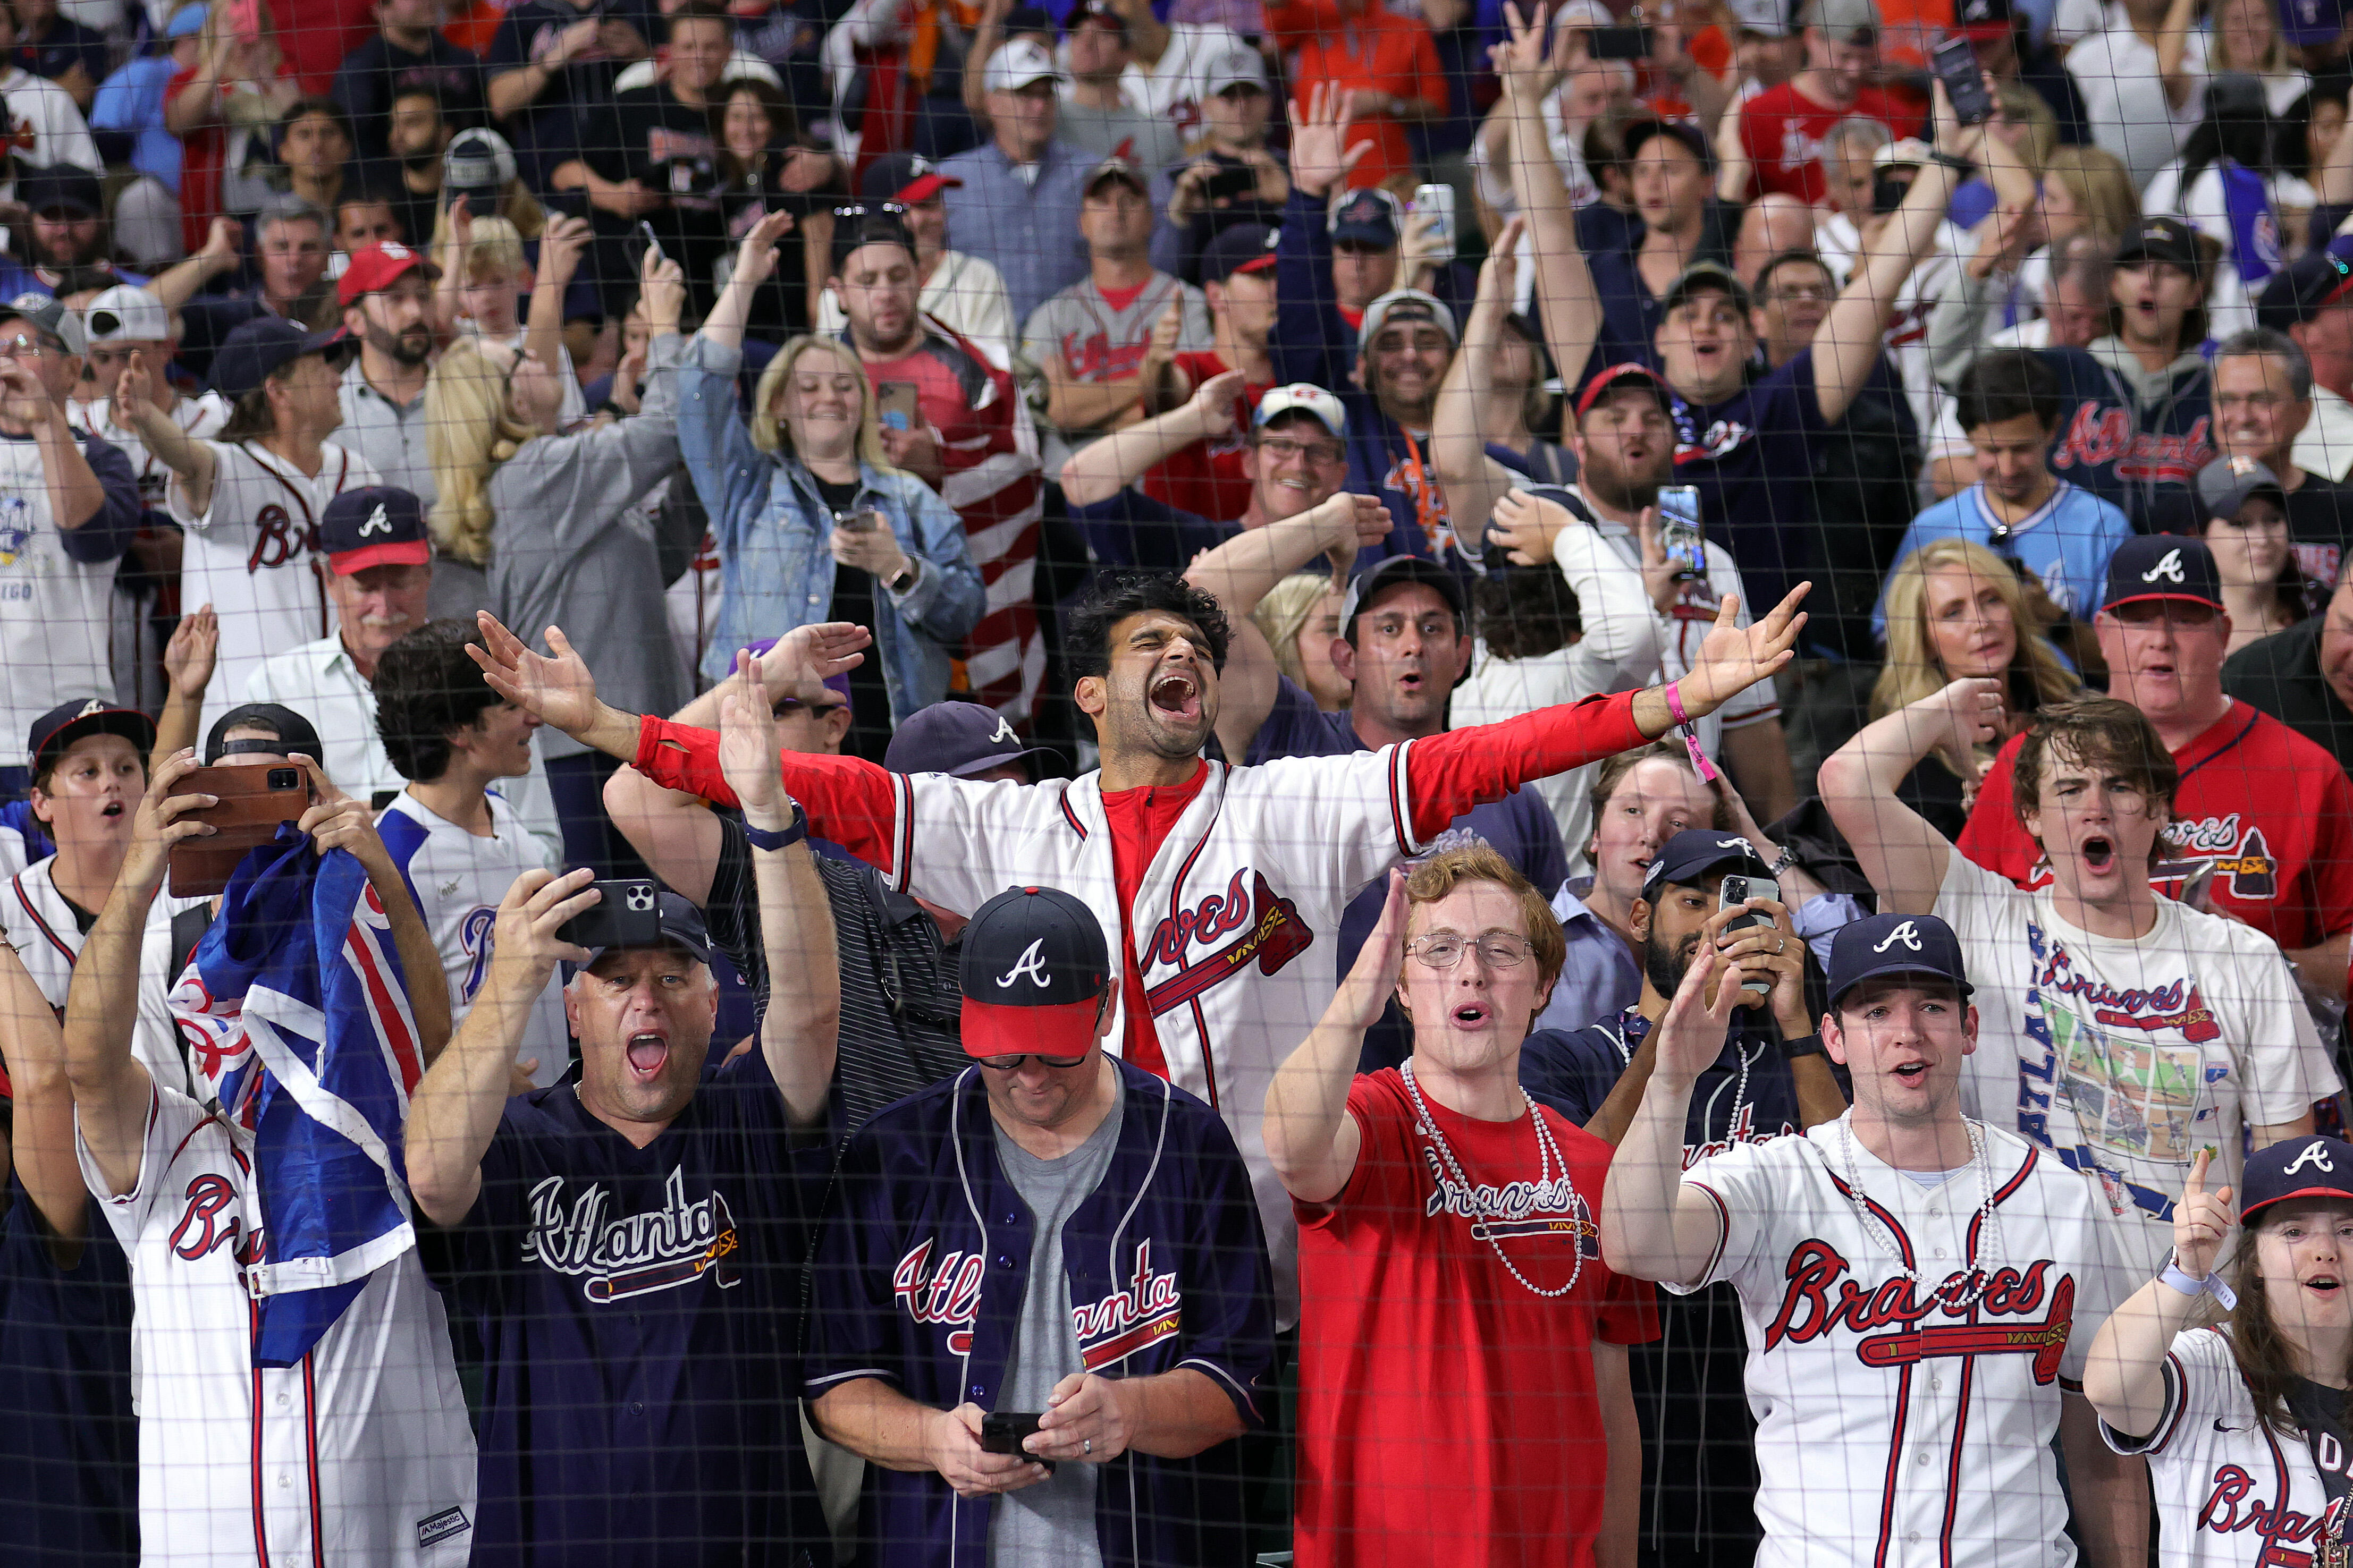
1006, 1064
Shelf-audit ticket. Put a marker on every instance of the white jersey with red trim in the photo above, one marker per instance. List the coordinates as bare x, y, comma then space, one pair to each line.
1902, 1425
361, 1453
248, 556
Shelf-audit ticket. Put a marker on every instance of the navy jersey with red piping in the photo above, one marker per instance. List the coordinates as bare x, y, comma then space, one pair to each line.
2122, 449
918, 1282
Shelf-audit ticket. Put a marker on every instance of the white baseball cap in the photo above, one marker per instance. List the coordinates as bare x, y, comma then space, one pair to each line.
127, 313
1018, 64
1406, 305
1302, 398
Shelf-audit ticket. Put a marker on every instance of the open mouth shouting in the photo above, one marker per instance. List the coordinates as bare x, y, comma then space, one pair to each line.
647, 1052
1471, 1015
2098, 853
2326, 1286
1912, 1074
1176, 694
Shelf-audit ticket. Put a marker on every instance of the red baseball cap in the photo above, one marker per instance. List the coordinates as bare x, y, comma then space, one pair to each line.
1628, 373
375, 268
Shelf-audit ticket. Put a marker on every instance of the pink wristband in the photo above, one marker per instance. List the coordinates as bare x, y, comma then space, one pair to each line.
1700, 762
1675, 702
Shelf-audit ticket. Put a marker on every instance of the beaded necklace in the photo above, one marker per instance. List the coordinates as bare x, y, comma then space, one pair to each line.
1988, 1226
1548, 1156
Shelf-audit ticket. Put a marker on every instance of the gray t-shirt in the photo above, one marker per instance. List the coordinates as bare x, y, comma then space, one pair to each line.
1052, 1524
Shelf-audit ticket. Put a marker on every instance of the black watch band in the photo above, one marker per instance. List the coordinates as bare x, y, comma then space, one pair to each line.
781, 838
1803, 1046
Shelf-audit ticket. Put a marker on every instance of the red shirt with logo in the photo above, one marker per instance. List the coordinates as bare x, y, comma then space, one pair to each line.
1206, 478
2268, 809
1373, 51
1784, 130
1448, 1414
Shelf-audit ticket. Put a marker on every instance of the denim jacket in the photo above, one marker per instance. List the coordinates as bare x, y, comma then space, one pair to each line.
771, 527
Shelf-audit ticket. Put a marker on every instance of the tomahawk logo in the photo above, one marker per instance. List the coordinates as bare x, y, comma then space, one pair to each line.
1733, 844
1907, 933
2169, 566
91, 706
1004, 731
2315, 1154
1032, 964
379, 522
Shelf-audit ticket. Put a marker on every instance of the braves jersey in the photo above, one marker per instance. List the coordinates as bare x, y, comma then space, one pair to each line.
1904, 1424
2126, 1056
2230, 1491
41, 926
248, 556
200, 418
359, 1453
55, 587
457, 880
917, 1283
1745, 1096
1100, 337
2065, 543
2269, 810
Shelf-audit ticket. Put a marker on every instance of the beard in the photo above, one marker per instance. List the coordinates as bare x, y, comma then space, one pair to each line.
412, 347
1664, 963
1615, 487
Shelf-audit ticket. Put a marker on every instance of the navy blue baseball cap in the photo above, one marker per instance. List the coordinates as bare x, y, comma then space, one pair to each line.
958, 738
261, 347
1691, 855
1034, 974
2305, 287
2162, 566
681, 923
381, 525
1895, 944
68, 721
1369, 584
1367, 216
2315, 1167
1238, 248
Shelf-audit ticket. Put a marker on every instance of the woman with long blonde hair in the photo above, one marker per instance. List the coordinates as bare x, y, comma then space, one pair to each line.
1301, 616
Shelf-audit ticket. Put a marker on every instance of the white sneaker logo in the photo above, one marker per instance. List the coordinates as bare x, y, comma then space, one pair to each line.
2315, 1154
2169, 566
1032, 964
1907, 933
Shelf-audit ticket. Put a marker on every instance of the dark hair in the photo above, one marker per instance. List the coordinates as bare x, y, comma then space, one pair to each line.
303, 107
784, 125
424, 687
1791, 257
2007, 384
1524, 612
2265, 1358
1642, 133
2104, 731
1113, 597
2291, 146
697, 11
416, 90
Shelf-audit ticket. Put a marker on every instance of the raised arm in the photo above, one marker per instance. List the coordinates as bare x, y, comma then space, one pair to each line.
800, 1031
1311, 1139
77, 497
41, 1122
184, 280
111, 1089
340, 821
190, 461
560, 250
755, 262
456, 1108
2123, 1375
1565, 297
1474, 481
188, 660
1654, 1225
1110, 464
1904, 857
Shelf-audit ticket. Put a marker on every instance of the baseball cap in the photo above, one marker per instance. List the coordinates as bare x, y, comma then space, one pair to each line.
1983, 19
1234, 67
1406, 305
1238, 248
254, 351
1115, 168
186, 21
373, 268
477, 164
1692, 854
2304, 286
2314, 1167
1765, 18
958, 738
2162, 566
67, 185
43, 311
1642, 133
1367, 216
682, 922
870, 228
1906, 152
904, 177
1095, 11
1034, 972
2161, 239
68, 721
2226, 484
2236, 95
1018, 64
381, 525
1895, 944
126, 313
1705, 277
297, 737
1028, 19
1626, 374
1842, 19
1305, 397
1383, 575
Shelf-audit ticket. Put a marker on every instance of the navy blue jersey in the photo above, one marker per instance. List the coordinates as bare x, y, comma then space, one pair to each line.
69, 1443
1751, 456
1131, 529
1745, 1096
918, 1282
2142, 456
636, 1309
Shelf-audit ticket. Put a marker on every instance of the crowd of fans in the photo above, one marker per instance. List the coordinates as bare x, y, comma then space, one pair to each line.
1177, 783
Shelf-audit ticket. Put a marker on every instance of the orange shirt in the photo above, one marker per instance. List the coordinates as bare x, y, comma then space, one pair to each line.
1374, 51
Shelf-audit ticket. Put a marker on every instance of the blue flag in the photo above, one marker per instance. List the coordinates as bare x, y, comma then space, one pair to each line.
2254, 228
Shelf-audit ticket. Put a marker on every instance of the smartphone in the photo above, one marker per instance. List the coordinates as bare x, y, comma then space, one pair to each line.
1956, 64
897, 400
1679, 530
629, 915
652, 245
1739, 890
1888, 189
1229, 184
252, 803
1001, 1432
1619, 42
1438, 199
866, 520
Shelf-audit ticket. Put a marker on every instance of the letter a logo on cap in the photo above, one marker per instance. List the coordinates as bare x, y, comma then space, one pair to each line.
2169, 566
1907, 933
1032, 962
1004, 731
377, 523
2315, 1154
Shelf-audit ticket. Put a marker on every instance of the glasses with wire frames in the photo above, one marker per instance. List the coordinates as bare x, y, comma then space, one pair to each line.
1497, 950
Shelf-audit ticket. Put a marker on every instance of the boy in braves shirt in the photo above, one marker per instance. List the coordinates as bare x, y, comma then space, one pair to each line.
1054, 1236
1463, 1396
1918, 1286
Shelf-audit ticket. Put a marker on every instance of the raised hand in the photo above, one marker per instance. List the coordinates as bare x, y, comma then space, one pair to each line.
1347, 523
1213, 403
189, 657
1662, 576
1690, 1036
748, 746
662, 292
134, 391
24, 401
340, 821
807, 656
755, 258
1522, 62
1320, 154
559, 690
161, 821
524, 947
1365, 994
1500, 270
1961, 717
2201, 1221
561, 246
1735, 657
1526, 525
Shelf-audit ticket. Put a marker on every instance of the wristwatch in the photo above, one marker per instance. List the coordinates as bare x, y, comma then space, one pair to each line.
906, 578
779, 839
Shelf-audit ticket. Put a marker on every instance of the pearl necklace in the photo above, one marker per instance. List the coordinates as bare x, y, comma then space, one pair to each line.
1989, 1226
1549, 1156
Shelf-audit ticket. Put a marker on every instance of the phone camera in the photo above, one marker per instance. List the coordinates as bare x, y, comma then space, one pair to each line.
641, 897
285, 778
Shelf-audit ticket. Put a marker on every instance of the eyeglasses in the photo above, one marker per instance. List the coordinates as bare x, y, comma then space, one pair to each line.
875, 209
23, 345
1281, 449
1006, 1064
1496, 949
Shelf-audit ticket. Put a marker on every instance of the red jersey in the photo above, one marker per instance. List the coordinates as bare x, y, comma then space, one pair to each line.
1372, 51
1206, 478
1447, 1414
1784, 130
2269, 810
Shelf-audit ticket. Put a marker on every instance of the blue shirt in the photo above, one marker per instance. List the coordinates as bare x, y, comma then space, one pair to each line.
1028, 228
2065, 543
18, 278
1131, 529
1601, 974
1574, 1071
132, 100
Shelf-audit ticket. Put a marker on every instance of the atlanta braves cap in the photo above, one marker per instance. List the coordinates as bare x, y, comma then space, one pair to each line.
908, 177
381, 525
2305, 287
1382, 576
1895, 944
2162, 566
2318, 1167
1301, 397
1367, 216
958, 738
254, 353
295, 736
682, 922
68, 721
1034, 972
1239, 247
1695, 852
2226, 484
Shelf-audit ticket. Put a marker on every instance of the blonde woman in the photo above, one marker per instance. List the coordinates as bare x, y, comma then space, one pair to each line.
811, 521
545, 510
1301, 618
